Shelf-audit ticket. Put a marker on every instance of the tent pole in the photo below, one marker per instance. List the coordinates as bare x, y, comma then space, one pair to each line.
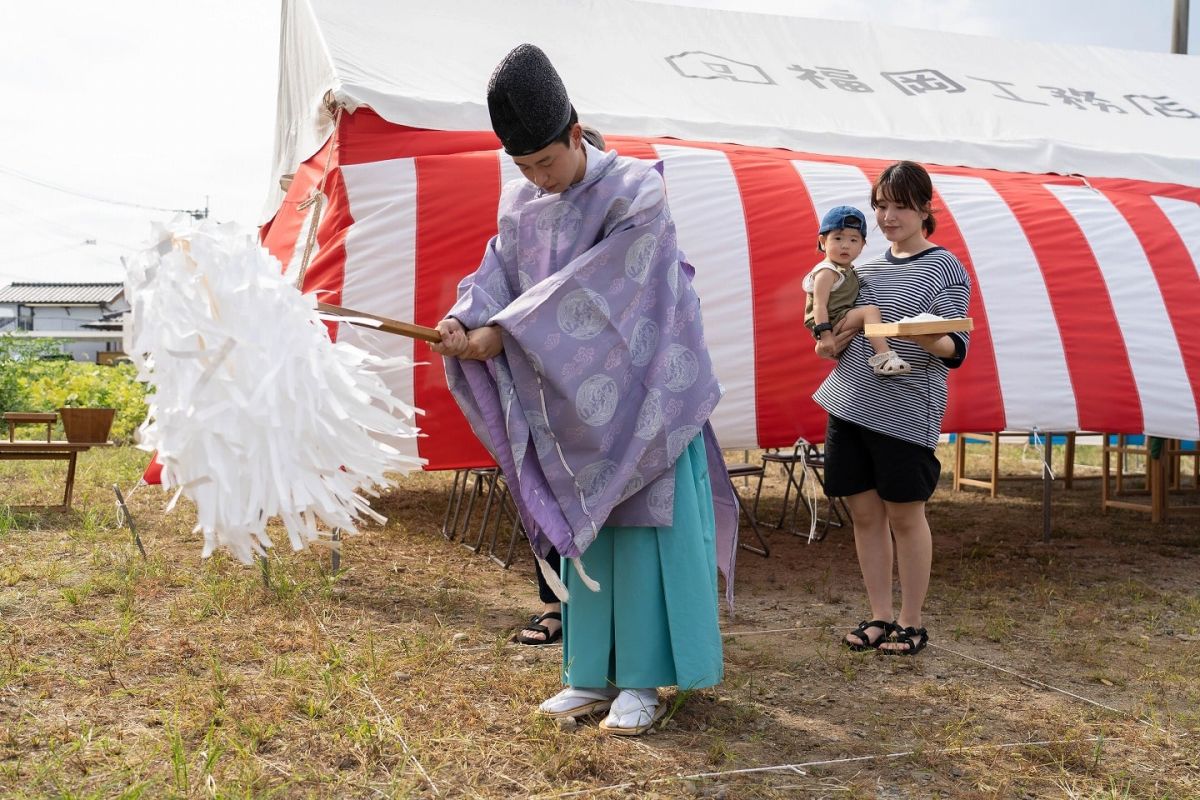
1047, 484
1179, 28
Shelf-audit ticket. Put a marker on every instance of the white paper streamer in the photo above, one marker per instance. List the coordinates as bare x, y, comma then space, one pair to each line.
255, 413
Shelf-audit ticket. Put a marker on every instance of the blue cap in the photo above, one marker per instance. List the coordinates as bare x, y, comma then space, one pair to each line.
840, 217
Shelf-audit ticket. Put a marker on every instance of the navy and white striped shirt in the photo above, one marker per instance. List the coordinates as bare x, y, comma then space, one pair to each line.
911, 406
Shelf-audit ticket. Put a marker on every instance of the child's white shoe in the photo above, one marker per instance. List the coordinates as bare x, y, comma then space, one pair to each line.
888, 364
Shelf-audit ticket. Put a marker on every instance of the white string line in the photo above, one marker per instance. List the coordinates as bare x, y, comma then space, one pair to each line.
1037, 442
482, 648
366, 690
798, 768
1036, 682
997, 667
780, 630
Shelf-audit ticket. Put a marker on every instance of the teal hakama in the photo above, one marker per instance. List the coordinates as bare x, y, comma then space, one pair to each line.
654, 620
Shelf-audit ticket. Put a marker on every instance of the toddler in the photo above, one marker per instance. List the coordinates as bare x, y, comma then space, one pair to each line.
832, 287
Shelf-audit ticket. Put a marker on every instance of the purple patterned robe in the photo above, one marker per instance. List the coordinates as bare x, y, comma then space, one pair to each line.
605, 377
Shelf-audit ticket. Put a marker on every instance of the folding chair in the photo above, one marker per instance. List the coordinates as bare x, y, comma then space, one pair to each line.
749, 471
807, 458
457, 489
506, 508
483, 481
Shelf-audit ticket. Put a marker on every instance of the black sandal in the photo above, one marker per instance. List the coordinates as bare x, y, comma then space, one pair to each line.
867, 642
906, 636
535, 625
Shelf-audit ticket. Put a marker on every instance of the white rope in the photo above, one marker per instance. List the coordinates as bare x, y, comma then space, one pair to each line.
552, 580
588, 581
317, 200
1036, 682
366, 690
780, 630
996, 667
1084, 180
811, 480
492, 647
1037, 442
799, 767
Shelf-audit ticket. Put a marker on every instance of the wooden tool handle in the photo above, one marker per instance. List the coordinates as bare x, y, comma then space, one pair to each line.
388, 325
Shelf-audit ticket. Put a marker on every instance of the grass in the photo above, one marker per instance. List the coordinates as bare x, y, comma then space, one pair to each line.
178, 677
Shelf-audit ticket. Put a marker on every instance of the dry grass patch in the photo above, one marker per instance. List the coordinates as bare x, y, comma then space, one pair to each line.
172, 676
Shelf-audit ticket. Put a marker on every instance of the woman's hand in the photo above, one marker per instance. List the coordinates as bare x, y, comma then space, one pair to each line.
832, 346
454, 339
938, 344
484, 343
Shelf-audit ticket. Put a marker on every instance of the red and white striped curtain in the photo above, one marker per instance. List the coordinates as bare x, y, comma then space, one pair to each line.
1086, 292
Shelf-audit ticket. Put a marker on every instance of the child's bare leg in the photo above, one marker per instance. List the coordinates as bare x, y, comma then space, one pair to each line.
862, 315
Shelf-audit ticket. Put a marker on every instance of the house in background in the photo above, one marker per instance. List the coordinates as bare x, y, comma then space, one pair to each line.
85, 318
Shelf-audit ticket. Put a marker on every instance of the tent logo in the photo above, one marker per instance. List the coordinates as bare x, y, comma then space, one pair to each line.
709, 66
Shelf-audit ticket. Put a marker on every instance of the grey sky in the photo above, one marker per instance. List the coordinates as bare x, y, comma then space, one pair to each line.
165, 102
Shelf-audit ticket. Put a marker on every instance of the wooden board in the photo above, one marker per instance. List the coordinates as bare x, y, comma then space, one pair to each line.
33, 446
31, 416
919, 328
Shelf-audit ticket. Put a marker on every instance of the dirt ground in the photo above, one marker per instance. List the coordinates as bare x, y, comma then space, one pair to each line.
1067, 669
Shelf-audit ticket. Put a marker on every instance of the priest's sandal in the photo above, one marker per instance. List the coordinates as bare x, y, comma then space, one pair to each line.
888, 364
865, 640
912, 639
535, 625
576, 701
634, 712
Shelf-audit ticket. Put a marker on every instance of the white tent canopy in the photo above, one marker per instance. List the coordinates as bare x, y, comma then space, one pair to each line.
818, 86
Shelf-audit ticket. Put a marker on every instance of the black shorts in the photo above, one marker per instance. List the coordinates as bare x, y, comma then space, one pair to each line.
858, 459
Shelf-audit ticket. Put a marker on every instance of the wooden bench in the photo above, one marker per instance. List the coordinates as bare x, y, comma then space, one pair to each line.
15, 418
1162, 475
804, 458
992, 482
48, 450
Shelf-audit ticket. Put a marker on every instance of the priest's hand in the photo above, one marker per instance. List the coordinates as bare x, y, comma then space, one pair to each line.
484, 343
454, 339
832, 346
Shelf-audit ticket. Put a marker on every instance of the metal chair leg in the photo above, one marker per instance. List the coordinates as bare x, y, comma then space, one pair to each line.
485, 482
478, 488
503, 512
449, 520
758, 490
491, 548
518, 533
789, 469
762, 549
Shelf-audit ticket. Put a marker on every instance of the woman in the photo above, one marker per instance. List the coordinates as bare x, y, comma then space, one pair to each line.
883, 432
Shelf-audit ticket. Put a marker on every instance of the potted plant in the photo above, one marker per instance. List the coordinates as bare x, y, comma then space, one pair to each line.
85, 424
